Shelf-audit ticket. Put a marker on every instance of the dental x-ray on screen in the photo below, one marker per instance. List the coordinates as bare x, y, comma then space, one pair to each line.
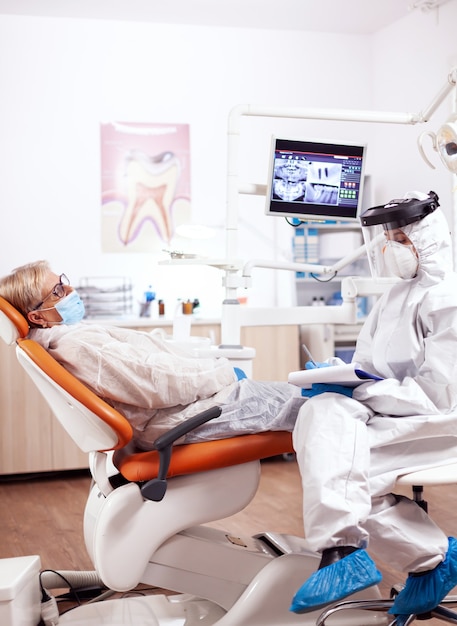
312, 180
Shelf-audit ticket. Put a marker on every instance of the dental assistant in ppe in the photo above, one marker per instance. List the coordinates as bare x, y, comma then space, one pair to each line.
153, 383
351, 448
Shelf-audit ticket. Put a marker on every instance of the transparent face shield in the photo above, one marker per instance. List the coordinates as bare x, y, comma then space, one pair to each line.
390, 252
386, 232
375, 241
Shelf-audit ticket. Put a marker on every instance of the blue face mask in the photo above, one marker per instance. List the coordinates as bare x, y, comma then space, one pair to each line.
70, 308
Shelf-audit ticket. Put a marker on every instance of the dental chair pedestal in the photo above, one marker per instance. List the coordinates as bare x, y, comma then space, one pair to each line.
247, 581
218, 579
259, 605
179, 610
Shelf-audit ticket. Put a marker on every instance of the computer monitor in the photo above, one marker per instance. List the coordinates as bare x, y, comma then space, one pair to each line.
315, 180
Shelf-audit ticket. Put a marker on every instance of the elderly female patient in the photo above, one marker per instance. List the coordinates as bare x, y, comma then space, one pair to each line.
149, 380
351, 444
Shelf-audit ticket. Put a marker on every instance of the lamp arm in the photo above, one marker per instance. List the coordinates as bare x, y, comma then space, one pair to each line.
425, 115
285, 265
321, 270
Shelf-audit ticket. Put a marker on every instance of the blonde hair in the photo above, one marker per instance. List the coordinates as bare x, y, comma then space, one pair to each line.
24, 286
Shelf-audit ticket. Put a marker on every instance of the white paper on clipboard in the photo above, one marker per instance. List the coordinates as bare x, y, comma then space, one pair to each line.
348, 374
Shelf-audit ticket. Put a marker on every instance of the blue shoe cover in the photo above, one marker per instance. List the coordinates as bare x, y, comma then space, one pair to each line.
423, 593
330, 584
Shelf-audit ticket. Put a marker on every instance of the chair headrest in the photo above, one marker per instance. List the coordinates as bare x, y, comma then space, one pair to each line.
13, 324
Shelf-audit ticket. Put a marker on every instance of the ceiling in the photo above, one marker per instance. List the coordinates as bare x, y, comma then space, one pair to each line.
333, 16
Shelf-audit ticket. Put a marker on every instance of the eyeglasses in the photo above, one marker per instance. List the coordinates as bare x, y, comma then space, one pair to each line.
58, 291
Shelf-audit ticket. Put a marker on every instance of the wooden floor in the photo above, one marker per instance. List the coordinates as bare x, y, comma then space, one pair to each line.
44, 515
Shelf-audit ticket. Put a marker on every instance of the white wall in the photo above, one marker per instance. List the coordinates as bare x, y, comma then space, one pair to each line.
65, 76
411, 62
60, 78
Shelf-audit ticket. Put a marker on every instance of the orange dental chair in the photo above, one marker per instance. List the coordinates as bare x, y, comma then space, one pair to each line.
145, 517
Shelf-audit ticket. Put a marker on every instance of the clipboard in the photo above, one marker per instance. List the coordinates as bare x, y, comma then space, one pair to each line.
348, 375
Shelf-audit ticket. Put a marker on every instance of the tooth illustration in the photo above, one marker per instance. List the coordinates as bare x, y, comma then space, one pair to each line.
151, 186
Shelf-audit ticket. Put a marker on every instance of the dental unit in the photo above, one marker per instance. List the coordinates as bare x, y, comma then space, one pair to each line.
134, 535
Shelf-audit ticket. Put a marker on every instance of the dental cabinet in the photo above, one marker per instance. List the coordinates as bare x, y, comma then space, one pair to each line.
31, 440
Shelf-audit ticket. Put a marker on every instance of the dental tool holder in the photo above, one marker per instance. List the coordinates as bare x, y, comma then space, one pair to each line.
106, 296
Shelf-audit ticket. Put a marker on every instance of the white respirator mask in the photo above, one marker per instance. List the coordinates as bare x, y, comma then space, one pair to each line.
400, 259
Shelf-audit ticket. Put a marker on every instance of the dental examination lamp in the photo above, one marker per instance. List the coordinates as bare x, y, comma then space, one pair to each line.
444, 142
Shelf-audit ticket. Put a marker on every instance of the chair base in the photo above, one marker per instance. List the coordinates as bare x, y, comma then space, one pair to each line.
180, 609
250, 579
145, 611
265, 600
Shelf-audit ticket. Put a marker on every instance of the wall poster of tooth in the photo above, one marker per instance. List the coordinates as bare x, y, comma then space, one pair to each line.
145, 179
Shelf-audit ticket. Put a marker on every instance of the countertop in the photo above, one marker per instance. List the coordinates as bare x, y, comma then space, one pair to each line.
132, 321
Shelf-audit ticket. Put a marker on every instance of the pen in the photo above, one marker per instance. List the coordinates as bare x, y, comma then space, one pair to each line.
308, 354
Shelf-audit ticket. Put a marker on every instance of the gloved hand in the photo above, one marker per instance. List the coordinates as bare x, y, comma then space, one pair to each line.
310, 365
318, 388
239, 373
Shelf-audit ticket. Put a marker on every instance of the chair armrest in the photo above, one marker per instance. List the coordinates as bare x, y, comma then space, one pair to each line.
169, 438
155, 489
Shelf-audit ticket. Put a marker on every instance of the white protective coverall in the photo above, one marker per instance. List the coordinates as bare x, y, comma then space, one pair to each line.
157, 386
351, 450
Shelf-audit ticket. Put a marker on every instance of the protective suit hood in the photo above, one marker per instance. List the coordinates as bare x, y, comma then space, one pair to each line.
432, 240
